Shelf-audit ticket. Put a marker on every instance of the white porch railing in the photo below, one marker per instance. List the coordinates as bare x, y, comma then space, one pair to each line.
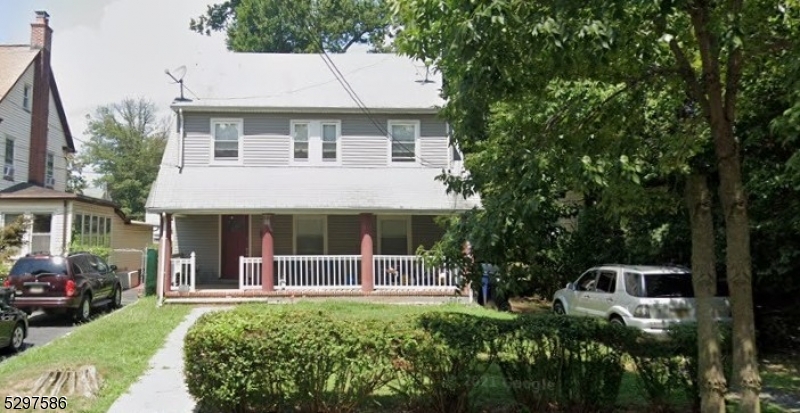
250, 273
183, 273
409, 271
317, 271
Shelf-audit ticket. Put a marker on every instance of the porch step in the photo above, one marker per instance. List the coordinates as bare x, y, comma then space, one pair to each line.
374, 299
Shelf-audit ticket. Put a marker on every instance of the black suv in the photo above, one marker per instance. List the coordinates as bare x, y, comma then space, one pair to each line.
73, 284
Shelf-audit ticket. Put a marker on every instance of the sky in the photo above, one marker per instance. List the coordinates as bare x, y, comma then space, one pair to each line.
106, 50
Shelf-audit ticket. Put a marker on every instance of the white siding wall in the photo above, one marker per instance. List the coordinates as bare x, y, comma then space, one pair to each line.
56, 141
16, 124
266, 150
196, 150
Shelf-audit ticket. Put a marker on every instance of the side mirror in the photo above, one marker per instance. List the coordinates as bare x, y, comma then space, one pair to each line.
113, 267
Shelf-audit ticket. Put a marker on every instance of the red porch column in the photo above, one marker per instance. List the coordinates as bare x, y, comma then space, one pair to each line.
166, 238
267, 254
367, 270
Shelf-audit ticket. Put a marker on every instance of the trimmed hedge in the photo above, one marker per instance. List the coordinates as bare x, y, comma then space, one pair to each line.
249, 360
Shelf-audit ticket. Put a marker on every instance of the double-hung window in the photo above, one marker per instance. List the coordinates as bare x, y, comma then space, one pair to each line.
300, 134
403, 137
226, 141
8, 165
330, 138
315, 142
49, 170
26, 97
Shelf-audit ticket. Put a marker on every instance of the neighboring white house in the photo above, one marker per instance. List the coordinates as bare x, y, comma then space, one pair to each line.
36, 142
275, 163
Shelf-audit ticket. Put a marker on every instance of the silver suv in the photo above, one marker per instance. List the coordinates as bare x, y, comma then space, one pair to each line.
646, 297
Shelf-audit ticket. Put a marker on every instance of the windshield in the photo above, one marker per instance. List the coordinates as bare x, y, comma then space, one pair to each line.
36, 266
659, 285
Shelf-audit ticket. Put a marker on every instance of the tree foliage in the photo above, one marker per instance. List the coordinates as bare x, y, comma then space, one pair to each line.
11, 239
297, 26
621, 101
125, 146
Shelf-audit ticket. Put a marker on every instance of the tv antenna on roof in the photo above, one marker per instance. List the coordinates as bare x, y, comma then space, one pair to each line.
428, 63
178, 78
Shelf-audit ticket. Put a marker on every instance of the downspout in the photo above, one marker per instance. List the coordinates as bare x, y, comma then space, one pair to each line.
181, 139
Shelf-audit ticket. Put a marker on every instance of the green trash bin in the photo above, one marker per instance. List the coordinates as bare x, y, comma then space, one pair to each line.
151, 274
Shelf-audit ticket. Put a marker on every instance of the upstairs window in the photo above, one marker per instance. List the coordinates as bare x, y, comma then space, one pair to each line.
315, 142
26, 97
300, 141
403, 137
8, 165
330, 136
49, 171
227, 139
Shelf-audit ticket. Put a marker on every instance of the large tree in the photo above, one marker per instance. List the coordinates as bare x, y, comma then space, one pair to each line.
125, 146
517, 55
297, 26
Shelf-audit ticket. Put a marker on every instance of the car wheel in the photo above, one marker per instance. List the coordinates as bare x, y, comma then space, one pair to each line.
116, 300
617, 321
558, 308
17, 337
84, 310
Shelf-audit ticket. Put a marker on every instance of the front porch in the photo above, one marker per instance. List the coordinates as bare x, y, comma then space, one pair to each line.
303, 255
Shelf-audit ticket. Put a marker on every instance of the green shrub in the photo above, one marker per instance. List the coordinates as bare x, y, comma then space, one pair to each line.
442, 361
683, 341
561, 363
100, 251
249, 361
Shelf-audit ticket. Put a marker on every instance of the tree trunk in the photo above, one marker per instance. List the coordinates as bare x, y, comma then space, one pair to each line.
711, 379
739, 268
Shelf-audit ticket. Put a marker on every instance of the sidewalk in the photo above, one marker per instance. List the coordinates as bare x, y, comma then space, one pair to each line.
161, 388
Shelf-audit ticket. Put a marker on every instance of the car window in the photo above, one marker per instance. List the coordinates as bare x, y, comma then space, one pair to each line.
99, 264
76, 269
36, 266
668, 285
607, 281
83, 264
633, 284
586, 282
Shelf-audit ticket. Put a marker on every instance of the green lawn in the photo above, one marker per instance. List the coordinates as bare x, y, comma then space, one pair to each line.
119, 345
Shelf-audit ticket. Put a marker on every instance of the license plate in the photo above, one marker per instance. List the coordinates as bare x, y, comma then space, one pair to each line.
36, 290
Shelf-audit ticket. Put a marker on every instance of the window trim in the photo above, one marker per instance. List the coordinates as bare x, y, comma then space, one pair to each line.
389, 139
240, 154
295, 224
379, 231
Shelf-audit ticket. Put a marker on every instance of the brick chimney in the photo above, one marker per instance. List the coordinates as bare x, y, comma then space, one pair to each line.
41, 37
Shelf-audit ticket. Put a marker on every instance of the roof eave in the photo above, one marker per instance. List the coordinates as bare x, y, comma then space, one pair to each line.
286, 109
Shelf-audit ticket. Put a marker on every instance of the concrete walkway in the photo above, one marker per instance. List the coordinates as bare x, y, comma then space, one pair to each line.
162, 389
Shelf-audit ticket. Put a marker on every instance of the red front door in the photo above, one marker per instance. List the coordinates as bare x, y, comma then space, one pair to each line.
234, 244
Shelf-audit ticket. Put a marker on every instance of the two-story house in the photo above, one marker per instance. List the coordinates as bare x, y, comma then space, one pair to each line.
35, 141
276, 180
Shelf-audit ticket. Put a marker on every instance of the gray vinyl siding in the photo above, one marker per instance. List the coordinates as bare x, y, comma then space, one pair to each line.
199, 234
266, 140
266, 150
344, 235
433, 151
424, 231
196, 149
283, 234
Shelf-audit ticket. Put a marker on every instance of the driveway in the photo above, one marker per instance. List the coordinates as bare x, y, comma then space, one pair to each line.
44, 328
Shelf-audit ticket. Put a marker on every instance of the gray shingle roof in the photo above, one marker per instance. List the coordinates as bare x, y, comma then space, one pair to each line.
231, 189
304, 81
14, 59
